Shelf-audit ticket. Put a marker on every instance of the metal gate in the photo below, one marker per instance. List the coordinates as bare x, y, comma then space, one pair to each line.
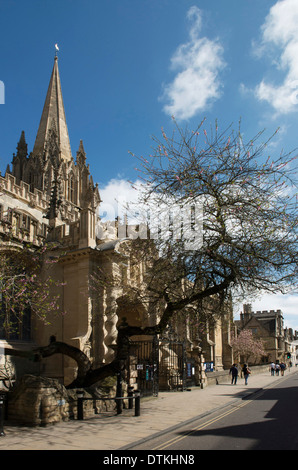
172, 365
143, 366
157, 365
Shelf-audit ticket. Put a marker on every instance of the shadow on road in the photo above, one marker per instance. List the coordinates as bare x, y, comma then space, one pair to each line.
274, 429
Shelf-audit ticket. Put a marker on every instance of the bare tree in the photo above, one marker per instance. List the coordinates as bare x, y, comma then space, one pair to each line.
248, 208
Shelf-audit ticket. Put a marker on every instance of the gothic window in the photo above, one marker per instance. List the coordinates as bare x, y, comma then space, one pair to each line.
17, 172
7, 215
31, 182
42, 230
15, 316
14, 326
71, 188
25, 222
34, 178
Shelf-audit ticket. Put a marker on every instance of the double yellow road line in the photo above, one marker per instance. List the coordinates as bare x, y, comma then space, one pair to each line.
204, 425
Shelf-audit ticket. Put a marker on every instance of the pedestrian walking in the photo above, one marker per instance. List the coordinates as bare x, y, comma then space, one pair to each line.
234, 372
277, 368
246, 372
272, 368
282, 368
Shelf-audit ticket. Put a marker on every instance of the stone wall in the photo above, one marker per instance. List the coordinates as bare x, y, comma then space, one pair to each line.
40, 401
222, 377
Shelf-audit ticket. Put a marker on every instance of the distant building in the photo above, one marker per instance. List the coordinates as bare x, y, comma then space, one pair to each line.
268, 326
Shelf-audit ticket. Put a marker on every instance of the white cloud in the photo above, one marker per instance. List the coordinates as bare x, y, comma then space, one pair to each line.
197, 63
280, 36
115, 196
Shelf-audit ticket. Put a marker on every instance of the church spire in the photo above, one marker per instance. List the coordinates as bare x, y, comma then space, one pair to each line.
53, 111
22, 148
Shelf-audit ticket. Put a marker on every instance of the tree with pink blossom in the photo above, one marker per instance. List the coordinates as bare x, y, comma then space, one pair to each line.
246, 346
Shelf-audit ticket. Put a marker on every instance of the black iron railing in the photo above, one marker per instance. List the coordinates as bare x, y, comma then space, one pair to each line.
132, 396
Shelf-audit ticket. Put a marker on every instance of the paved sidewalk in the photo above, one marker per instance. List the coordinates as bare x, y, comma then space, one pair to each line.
112, 432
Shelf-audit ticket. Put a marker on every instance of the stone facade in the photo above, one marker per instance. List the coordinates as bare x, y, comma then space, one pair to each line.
216, 342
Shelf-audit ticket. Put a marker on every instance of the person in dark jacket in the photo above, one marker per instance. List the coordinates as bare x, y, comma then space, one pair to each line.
234, 372
246, 372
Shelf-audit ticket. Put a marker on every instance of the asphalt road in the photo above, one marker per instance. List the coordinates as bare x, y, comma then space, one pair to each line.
267, 420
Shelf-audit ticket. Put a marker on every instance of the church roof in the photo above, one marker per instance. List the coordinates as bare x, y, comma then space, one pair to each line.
53, 115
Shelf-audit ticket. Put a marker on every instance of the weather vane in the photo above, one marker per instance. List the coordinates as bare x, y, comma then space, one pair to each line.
57, 49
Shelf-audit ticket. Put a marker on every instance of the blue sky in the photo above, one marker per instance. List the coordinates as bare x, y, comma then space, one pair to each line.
127, 66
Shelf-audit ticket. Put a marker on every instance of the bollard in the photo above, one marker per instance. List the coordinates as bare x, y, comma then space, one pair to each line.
137, 403
2, 397
130, 397
80, 395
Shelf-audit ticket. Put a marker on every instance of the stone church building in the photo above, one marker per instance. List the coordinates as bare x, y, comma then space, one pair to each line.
49, 195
